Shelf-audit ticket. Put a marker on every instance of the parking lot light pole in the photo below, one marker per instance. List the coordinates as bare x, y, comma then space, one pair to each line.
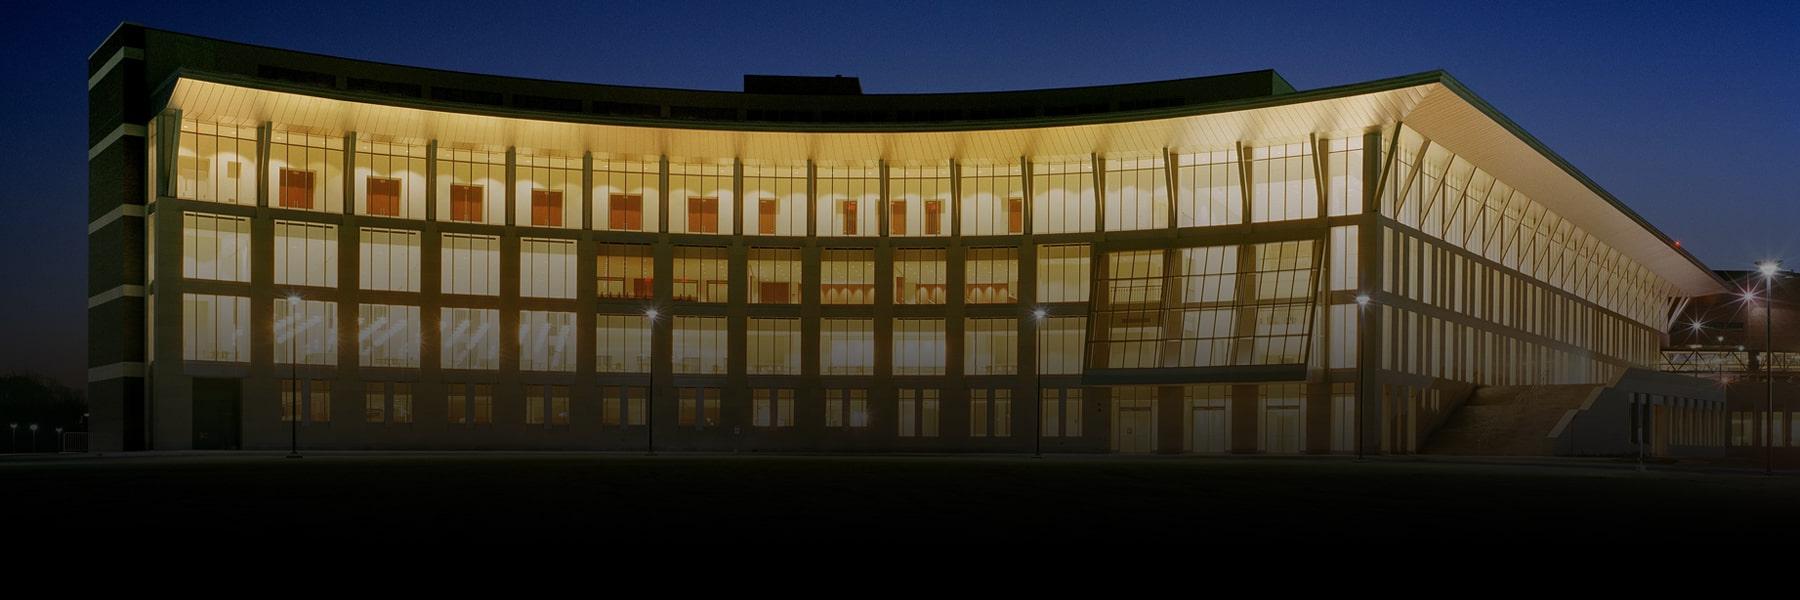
1768, 269
294, 376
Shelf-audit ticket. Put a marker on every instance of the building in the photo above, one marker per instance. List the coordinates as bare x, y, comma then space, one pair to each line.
1730, 339
399, 257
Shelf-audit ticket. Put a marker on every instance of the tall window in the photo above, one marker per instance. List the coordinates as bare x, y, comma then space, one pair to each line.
1064, 273
847, 276
1062, 196
1061, 412
1344, 191
774, 346
774, 275
388, 335
471, 184
1060, 344
919, 276
622, 405
315, 400
215, 247
306, 254
990, 412
216, 162
308, 327
847, 408
991, 347
700, 345
470, 403
697, 407
622, 343
774, 199
470, 338
848, 198
625, 271
993, 199
390, 179
1137, 193
700, 273
1212, 189
375, 402
847, 347
548, 190
547, 405
389, 260
1283, 184
772, 408
918, 410
919, 200
546, 341
919, 347
546, 268
1344, 251
470, 264
306, 171
215, 328
626, 194
992, 276
700, 197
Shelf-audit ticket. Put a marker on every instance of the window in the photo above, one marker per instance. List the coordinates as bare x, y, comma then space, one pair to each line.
389, 259
1344, 252
216, 163
991, 346
546, 268
625, 271
848, 197
470, 338
919, 276
548, 189
1208, 425
919, 347
318, 401
471, 184
774, 275
993, 199
774, 346
315, 400
1212, 190
623, 343
306, 254
1061, 416
308, 327
470, 403
470, 264
1282, 425
992, 276
1283, 185
456, 402
772, 408
847, 408
403, 403
375, 402
534, 404
918, 412
1343, 417
1063, 273
1344, 190
215, 328
917, 196
847, 276
388, 336
1060, 341
306, 171
626, 194
700, 346
699, 407
622, 405
547, 405
215, 247
775, 199
547, 341
390, 179
1137, 194
700, 274
697, 194
990, 413
1062, 196
1202, 306
847, 347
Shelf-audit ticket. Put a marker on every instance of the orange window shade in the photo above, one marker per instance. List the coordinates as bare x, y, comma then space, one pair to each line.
384, 196
934, 217
703, 215
465, 203
1015, 215
546, 208
897, 217
767, 210
296, 189
625, 212
847, 209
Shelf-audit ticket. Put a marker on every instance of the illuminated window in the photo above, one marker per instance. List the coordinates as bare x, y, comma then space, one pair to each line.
1201, 306
215, 247
774, 346
1137, 193
698, 407
1344, 190
390, 179
623, 343
216, 163
306, 254
1208, 424
993, 199
992, 276
547, 405
1060, 341
1063, 273
622, 405
1282, 426
1062, 196
375, 402
775, 200
470, 403
471, 185
403, 403
625, 271
306, 171
470, 264
990, 346
215, 328
774, 275
548, 190
1212, 190
848, 199
547, 341
919, 276
626, 194
847, 408
470, 338
308, 327
388, 336
772, 408
1283, 184
918, 196
697, 194
1343, 417
1061, 412
918, 412
700, 274
847, 347
546, 268
919, 347
389, 260
315, 400
700, 345
990, 412
847, 276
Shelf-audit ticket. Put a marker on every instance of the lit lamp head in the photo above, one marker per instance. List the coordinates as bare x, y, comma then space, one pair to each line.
1768, 267
294, 299
1039, 313
1363, 300
34, 426
650, 313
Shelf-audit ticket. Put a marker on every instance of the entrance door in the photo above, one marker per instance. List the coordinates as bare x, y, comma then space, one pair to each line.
1210, 425
217, 406
1134, 421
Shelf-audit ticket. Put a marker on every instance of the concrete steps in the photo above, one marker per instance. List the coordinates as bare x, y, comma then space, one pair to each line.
1509, 420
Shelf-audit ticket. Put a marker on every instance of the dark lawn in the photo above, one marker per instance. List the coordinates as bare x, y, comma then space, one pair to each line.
919, 499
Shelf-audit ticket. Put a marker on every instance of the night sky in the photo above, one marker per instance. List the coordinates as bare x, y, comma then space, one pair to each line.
1688, 112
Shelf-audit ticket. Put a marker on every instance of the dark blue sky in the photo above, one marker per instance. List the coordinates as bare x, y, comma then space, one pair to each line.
1688, 112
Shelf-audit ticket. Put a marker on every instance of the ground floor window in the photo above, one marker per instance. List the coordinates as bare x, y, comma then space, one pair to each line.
1060, 412
847, 408
547, 405
470, 403
772, 407
918, 412
990, 413
314, 397
1343, 417
622, 405
699, 407
1282, 425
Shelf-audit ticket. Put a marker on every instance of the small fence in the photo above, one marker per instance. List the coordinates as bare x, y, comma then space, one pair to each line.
73, 441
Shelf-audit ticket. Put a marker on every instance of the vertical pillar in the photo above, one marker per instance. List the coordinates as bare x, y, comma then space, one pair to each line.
119, 187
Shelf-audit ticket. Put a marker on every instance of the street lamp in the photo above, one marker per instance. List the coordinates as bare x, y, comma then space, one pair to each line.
1768, 269
1037, 380
1363, 300
59, 445
650, 315
14, 446
294, 375
34, 438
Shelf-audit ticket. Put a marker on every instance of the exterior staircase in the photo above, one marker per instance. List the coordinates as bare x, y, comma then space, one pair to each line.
1521, 420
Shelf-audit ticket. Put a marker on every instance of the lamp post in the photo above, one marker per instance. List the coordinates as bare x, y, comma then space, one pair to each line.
1037, 381
1363, 300
650, 315
294, 376
14, 446
59, 444
1768, 269
34, 438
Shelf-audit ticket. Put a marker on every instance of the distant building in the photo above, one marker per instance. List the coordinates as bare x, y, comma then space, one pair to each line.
1728, 338
400, 257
